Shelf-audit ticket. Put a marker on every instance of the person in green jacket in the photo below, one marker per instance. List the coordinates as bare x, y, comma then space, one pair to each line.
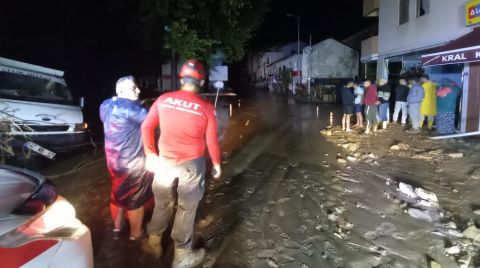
447, 96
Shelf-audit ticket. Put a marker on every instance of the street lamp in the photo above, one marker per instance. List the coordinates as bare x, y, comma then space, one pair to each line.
298, 43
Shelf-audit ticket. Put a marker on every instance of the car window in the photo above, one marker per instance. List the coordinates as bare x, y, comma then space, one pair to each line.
15, 188
31, 88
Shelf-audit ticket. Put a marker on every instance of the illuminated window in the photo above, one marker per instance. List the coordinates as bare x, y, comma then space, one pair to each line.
403, 11
423, 7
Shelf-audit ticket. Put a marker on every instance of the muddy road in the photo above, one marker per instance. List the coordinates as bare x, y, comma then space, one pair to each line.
295, 195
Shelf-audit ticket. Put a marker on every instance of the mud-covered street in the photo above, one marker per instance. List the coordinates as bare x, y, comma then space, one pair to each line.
294, 194
284, 185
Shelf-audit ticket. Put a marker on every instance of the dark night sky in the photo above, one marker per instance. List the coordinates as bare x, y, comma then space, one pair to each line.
320, 18
95, 47
62, 33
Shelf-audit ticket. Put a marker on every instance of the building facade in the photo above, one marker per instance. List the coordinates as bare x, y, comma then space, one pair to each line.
258, 62
436, 37
329, 59
409, 28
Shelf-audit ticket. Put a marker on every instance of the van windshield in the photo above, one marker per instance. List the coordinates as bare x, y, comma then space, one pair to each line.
32, 88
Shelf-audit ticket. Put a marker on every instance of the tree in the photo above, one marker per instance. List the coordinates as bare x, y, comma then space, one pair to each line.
195, 29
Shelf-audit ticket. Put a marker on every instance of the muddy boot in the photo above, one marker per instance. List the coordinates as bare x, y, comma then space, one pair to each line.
153, 246
187, 258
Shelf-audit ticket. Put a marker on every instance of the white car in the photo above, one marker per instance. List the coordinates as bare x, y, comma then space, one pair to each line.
38, 227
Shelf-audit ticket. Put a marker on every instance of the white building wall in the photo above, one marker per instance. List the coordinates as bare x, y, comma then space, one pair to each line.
289, 63
266, 59
444, 22
330, 59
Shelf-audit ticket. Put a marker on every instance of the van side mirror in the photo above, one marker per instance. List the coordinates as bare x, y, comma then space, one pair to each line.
81, 102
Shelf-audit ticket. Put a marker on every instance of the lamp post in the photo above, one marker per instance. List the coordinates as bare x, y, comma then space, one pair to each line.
298, 44
309, 74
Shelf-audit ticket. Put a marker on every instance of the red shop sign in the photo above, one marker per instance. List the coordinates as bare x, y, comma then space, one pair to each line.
463, 55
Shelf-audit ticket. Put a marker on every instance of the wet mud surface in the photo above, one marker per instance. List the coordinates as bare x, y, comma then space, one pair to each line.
294, 194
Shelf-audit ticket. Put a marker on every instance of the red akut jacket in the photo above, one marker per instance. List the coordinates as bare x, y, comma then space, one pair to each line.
187, 126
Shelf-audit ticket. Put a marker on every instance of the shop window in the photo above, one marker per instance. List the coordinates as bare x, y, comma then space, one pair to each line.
403, 11
423, 7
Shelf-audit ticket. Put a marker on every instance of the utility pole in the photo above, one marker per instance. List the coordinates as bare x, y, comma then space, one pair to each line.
298, 46
309, 63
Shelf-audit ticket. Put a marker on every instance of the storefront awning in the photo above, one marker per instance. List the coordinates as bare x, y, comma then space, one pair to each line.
462, 50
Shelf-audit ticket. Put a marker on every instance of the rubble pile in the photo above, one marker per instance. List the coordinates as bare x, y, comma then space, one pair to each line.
461, 240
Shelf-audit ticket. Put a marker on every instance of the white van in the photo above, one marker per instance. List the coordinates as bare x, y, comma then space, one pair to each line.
37, 106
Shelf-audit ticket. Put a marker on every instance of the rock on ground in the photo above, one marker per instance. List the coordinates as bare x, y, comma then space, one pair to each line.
420, 214
473, 233
407, 189
429, 196
456, 155
434, 264
400, 146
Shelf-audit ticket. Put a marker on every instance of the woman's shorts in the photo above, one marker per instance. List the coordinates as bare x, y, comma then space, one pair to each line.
348, 110
358, 108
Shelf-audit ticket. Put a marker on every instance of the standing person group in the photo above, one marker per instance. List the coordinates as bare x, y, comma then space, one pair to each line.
354, 97
419, 100
187, 127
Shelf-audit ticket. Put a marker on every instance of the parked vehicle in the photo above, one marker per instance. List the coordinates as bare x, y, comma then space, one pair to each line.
36, 105
38, 227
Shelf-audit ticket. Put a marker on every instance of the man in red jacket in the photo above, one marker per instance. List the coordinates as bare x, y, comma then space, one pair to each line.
187, 126
371, 106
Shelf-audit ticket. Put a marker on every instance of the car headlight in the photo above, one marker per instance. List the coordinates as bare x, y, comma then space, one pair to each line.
60, 214
81, 127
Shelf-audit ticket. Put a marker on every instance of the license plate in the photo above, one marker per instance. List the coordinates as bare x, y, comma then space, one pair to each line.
39, 149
